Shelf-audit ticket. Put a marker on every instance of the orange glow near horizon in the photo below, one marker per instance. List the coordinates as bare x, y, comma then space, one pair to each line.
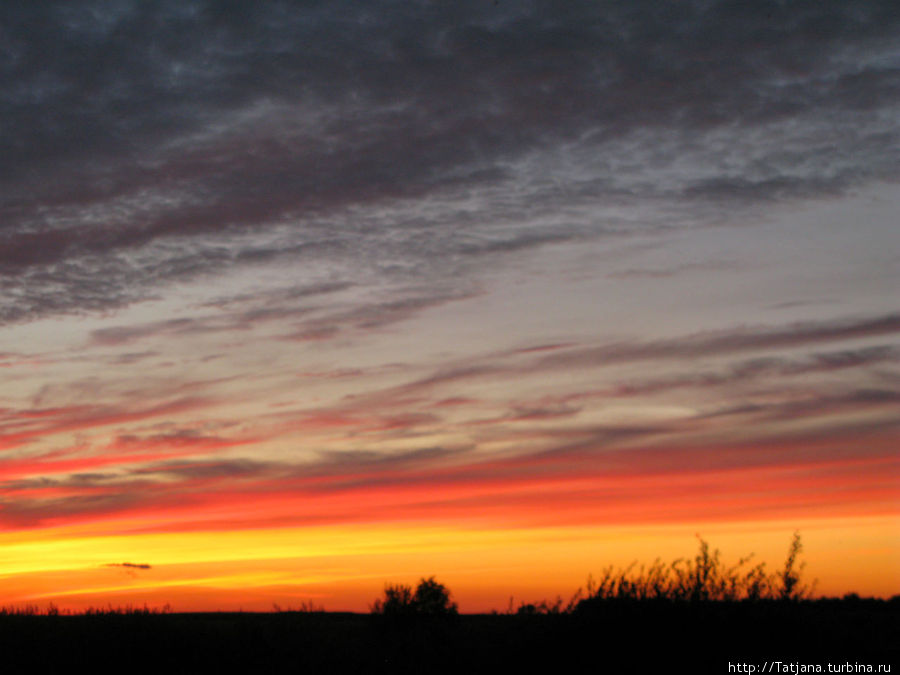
345, 567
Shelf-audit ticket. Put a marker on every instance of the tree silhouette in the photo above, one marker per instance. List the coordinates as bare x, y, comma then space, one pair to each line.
397, 601
431, 598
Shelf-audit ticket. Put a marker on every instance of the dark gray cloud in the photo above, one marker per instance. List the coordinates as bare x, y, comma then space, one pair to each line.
34, 512
831, 403
77, 480
378, 314
732, 341
710, 344
252, 302
741, 374
671, 271
128, 565
749, 370
150, 142
130, 358
328, 470
296, 308
24, 426
213, 470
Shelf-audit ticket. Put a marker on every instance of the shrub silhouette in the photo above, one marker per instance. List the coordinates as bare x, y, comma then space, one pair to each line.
431, 598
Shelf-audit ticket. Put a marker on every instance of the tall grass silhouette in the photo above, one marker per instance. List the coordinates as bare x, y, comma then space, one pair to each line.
703, 578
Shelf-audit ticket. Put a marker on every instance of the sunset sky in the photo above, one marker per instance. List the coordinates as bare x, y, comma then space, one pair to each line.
302, 298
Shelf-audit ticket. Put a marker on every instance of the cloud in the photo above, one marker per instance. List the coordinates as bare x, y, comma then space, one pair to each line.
704, 345
148, 145
868, 399
591, 475
309, 321
766, 368
39, 511
321, 171
24, 426
120, 335
128, 565
730, 341
213, 470
667, 272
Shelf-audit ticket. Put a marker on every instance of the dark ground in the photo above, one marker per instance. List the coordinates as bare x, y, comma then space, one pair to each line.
638, 637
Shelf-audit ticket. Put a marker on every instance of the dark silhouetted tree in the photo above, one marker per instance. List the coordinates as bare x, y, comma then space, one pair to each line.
397, 601
431, 598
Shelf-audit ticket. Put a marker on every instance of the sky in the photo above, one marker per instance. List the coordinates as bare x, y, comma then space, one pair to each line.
297, 299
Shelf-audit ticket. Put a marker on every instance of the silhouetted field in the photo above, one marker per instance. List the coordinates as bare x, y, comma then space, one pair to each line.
694, 615
613, 636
